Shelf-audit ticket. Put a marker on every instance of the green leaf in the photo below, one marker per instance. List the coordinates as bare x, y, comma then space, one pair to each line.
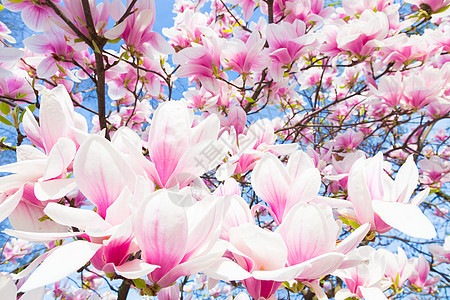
61, 69
5, 121
96, 49
78, 40
4, 108
139, 283
249, 99
16, 1
442, 9
350, 222
21, 96
44, 218
1, 7
21, 116
32, 107
114, 41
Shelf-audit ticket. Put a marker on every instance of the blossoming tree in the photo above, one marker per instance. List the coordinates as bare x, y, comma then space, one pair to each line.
308, 142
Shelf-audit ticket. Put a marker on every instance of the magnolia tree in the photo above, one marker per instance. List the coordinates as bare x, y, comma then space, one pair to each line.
306, 158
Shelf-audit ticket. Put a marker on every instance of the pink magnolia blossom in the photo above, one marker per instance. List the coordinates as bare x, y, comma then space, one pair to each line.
390, 89
358, 37
435, 5
182, 240
169, 293
179, 151
282, 187
16, 249
242, 57
419, 275
202, 61
287, 43
247, 6
136, 29
383, 202
365, 280
251, 247
57, 120
248, 148
60, 53
441, 253
348, 140
310, 231
419, 90
35, 16
398, 267
435, 171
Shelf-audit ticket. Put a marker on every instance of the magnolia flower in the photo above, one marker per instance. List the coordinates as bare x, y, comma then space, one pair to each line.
383, 202
15, 249
418, 277
180, 151
365, 280
282, 187
181, 240
441, 253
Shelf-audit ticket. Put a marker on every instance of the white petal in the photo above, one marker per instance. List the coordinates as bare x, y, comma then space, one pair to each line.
226, 270
372, 293
40, 236
407, 218
8, 289
135, 269
61, 263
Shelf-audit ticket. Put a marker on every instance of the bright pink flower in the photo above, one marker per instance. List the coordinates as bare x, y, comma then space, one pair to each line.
247, 6
251, 247
57, 119
136, 29
310, 231
348, 140
287, 43
169, 293
59, 52
202, 61
434, 171
435, 5
35, 16
420, 273
182, 240
358, 36
420, 89
179, 151
282, 187
390, 89
245, 57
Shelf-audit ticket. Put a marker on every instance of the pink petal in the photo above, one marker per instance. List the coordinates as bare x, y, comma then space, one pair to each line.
101, 172
169, 137
271, 182
161, 232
